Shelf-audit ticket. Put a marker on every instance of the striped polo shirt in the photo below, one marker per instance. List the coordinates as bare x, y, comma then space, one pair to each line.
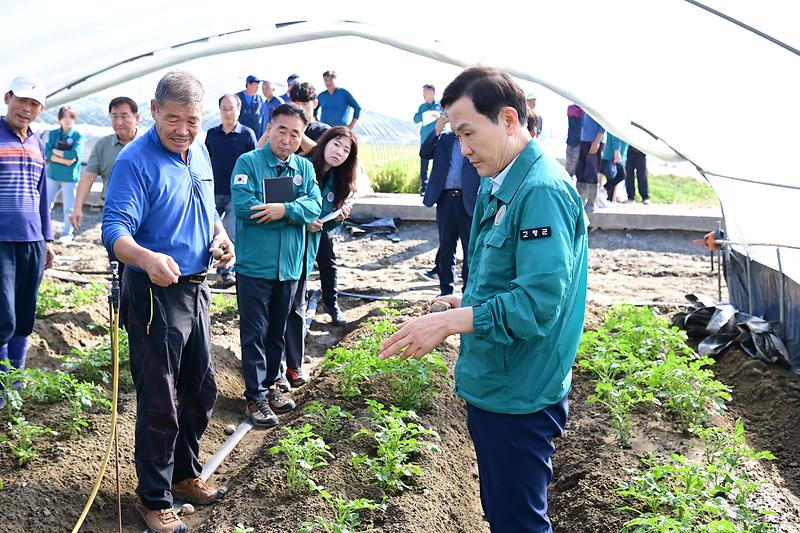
24, 209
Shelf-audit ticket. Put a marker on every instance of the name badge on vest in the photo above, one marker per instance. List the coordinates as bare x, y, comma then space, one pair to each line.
535, 233
298, 180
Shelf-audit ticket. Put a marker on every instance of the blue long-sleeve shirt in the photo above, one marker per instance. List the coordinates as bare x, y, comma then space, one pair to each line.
336, 107
427, 128
165, 204
590, 128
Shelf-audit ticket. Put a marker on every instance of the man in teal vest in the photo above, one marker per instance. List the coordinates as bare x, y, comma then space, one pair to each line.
521, 316
272, 236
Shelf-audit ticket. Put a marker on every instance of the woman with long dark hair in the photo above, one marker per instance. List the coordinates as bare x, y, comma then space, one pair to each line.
335, 163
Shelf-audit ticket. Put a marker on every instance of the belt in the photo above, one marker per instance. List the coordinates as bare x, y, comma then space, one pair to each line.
452, 192
197, 278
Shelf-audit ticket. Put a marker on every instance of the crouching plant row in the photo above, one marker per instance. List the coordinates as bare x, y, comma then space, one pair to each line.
637, 357
394, 433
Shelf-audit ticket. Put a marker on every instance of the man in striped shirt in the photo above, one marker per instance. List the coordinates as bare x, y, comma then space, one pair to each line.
25, 231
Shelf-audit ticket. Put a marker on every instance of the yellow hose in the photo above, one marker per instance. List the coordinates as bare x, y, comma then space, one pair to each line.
115, 359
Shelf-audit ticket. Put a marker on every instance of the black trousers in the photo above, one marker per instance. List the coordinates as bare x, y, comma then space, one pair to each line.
264, 309
454, 224
170, 345
588, 164
636, 169
617, 177
326, 263
296, 327
424, 165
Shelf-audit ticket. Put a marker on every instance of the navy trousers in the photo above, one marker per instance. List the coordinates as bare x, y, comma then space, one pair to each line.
636, 173
326, 263
514, 466
424, 165
169, 334
21, 271
454, 224
264, 308
296, 328
588, 164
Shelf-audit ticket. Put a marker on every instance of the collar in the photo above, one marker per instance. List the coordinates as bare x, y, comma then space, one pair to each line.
505, 184
152, 137
236, 129
116, 139
14, 133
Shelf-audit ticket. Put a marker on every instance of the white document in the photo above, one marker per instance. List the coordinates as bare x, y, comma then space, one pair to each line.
331, 216
429, 116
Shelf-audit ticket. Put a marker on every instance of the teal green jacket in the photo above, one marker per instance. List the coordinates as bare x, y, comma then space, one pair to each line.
73, 144
527, 289
272, 250
328, 206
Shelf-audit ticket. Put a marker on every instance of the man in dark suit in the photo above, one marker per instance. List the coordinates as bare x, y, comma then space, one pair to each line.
453, 187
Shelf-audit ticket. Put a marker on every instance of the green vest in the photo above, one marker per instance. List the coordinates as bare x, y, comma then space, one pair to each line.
272, 250
527, 287
328, 206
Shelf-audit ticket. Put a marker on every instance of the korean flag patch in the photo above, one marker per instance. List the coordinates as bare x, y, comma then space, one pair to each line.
240, 179
535, 233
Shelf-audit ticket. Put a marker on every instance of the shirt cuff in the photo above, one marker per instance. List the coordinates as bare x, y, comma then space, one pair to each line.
482, 323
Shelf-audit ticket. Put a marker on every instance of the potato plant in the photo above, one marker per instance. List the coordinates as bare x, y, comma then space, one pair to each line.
22, 435
95, 363
303, 452
346, 513
328, 421
57, 298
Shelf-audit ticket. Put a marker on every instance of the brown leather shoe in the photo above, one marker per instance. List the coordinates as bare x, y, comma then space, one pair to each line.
161, 520
197, 491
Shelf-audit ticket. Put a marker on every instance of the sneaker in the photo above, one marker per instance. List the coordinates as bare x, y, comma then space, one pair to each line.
228, 280
195, 490
260, 414
297, 376
337, 315
279, 402
630, 201
161, 520
646, 201
66, 240
283, 384
306, 358
430, 275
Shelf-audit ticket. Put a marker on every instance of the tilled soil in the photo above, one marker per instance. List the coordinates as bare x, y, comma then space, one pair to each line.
658, 268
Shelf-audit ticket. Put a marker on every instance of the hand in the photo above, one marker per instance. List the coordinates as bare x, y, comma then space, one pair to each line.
162, 269
50, 256
59, 153
453, 301
418, 336
441, 120
617, 157
268, 212
76, 218
594, 147
314, 227
224, 243
346, 208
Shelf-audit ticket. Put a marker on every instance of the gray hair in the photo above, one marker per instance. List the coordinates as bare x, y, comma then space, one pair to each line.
180, 87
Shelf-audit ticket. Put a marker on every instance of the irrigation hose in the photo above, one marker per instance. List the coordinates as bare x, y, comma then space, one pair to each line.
112, 436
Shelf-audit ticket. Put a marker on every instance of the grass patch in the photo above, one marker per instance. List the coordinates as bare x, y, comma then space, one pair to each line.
53, 298
223, 305
391, 167
681, 190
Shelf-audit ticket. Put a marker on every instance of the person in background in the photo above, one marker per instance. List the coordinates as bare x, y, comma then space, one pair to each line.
124, 115
533, 124
615, 154
636, 169
225, 143
159, 219
588, 167
530, 100
64, 150
521, 316
252, 102
271, 237
427, 113
304, 96
574, 121
453, 187
25, 232
336, 103
271, 101
335, 160
291, 81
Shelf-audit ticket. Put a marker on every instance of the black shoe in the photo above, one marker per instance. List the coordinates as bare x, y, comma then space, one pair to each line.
260, 414
337, 315
280, 403
429, 275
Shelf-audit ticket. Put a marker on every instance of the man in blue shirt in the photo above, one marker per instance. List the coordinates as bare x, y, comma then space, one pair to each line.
291, 81
252, 102
159, 220
336, 103
225, 144
271, 101
427, 114
592, 135
454, 189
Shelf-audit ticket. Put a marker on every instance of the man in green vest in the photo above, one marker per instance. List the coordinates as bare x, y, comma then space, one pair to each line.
521, 316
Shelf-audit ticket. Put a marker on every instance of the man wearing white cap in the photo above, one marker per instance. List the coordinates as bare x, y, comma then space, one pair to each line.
24, 218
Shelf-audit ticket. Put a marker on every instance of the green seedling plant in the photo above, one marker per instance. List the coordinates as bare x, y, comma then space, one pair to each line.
83, 397
352, 367
53, 298
95, 363
303, 452
396, 436
223, 305
10, 380
48, 387
416, 383
328, 421
240, 528
23, 434
346, 513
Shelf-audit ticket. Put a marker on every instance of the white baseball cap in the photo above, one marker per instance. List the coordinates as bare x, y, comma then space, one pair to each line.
29, 87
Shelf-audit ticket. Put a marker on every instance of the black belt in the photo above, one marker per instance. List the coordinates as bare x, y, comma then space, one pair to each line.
197, 278
452, 192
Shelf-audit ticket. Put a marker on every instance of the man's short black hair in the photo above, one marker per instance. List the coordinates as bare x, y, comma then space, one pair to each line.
120, 101
290, 111
303, 92
490, 90
329, 74
429, 87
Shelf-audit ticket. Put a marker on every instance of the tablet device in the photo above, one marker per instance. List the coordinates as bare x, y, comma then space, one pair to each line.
278, 190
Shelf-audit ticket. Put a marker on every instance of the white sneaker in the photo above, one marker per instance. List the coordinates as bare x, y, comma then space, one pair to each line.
646, 202
66, 240
602, 201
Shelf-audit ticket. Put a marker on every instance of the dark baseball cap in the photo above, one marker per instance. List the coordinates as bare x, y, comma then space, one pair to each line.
252, 79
